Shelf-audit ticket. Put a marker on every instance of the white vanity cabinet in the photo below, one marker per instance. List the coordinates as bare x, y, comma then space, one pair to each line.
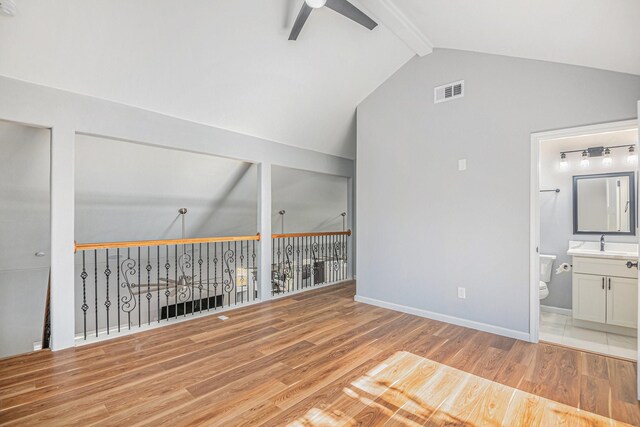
605, 291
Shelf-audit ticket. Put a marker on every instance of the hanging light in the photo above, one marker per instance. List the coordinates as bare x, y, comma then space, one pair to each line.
632, 159
607, 160
563, 161
585, 159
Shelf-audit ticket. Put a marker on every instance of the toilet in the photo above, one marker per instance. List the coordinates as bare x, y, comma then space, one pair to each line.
546, 267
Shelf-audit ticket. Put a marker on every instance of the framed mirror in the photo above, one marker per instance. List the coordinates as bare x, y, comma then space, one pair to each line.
604, 204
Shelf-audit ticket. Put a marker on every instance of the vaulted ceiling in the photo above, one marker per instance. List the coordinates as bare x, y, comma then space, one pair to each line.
228, 63
593, 33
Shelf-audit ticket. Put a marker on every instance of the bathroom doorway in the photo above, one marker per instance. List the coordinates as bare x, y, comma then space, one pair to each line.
583, 234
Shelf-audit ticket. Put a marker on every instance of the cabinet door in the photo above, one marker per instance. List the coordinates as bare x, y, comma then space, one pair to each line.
589, 297
622, 302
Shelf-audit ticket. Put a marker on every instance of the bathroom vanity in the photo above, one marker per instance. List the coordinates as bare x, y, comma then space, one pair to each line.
605, 290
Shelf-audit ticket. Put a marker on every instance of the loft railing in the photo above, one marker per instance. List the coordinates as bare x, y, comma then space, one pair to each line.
305, 260
125, 285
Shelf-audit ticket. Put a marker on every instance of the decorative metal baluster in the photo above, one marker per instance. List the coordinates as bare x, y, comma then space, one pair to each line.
139, 288
274, 266
215, 277
321, 258
107, 303
149, 285
254, 277
193, 291
95, 282
84, 306
334, 259
235, 274
309, 264
346, 255
342, 257
200, 261
176, 283
317, 262
228, 259
329, 263
298, 264
167, 292
280, 267
158, 283
128, 268
208, 296
118, 283
245, 283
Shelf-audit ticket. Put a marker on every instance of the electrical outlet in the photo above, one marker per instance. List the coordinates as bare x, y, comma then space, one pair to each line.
462, 293
462, 164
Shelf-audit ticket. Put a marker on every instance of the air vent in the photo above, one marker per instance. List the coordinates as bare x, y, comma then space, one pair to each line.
448, 92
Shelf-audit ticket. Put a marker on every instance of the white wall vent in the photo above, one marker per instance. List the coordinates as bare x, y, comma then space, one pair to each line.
448, 92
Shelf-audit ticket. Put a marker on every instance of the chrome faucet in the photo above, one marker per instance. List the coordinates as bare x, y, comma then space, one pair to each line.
602, 243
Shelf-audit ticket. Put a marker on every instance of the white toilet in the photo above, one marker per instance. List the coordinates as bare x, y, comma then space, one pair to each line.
546, 267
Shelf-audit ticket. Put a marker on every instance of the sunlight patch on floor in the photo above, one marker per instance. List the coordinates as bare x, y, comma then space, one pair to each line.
409, 390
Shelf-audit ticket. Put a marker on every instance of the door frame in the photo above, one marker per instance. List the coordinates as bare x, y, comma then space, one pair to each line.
534, 214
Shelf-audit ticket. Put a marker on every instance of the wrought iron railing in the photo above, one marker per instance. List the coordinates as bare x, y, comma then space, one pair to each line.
125, 285
304, 260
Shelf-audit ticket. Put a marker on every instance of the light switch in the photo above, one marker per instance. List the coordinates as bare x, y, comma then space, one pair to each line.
462, 164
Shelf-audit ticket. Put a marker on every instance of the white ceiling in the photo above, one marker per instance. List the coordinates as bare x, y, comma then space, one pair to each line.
225, 63
593, 33
228, 63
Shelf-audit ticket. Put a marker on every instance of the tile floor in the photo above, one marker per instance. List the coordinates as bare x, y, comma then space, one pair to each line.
559, 329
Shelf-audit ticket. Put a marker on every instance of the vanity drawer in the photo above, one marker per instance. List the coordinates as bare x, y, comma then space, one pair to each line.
604, 267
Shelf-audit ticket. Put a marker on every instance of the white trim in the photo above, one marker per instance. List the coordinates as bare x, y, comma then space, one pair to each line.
534, 212
389, 14
498, 330
557, 310
534, 242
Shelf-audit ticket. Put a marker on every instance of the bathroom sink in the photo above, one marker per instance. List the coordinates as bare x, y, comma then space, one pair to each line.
611, 250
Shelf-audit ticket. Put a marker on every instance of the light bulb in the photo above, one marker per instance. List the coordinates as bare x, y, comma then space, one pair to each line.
315, 3
564, 165
632, 158
607, 160
585, 159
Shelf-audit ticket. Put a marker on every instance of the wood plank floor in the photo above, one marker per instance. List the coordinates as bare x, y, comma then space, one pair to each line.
314, 359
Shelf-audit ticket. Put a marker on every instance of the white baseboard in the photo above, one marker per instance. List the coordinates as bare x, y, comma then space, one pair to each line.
557, 310
498, 330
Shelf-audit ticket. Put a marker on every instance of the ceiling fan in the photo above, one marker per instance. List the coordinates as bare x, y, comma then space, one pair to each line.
343, 7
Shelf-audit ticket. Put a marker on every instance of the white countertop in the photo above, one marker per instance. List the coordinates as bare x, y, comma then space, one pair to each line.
611, 250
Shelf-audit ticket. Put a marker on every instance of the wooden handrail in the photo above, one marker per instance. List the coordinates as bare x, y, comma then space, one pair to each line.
324, 233
133, 244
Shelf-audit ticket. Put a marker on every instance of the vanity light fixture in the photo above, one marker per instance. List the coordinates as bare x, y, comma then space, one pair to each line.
632, 158
606, 159
604, 152
585, 159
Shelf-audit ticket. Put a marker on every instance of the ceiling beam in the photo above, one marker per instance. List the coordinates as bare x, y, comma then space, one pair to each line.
395, 20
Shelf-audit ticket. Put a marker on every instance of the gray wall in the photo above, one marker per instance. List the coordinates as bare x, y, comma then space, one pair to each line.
425, 228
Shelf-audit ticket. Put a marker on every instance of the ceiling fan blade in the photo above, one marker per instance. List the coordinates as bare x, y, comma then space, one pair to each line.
300, 20
343, 7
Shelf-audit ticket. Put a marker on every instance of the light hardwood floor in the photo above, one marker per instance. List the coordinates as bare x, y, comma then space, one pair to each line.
315, 359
